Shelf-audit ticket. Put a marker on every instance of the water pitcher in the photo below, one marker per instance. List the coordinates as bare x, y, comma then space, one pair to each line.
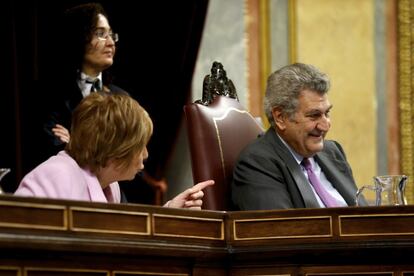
388, 189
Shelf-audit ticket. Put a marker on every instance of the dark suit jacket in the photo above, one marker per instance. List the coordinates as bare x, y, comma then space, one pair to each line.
63, 104
267, 176
60, 112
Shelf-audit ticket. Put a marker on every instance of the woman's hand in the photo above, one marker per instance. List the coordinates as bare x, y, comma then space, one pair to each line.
190, 198
62, 133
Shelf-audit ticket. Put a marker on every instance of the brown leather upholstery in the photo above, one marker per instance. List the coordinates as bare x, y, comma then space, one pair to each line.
217, 133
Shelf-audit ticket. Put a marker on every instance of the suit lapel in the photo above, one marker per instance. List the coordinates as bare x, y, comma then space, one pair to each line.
336, 172
74, 97
94, 188
295, 171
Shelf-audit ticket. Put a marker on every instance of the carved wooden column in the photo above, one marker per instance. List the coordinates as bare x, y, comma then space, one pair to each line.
406, 80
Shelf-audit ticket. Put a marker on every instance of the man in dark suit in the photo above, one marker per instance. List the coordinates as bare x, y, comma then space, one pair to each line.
272, 172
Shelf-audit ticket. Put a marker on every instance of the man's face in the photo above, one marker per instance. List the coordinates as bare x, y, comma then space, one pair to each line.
306, 130
99, 53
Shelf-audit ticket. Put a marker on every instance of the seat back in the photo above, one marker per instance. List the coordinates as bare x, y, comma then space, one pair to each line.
217, 133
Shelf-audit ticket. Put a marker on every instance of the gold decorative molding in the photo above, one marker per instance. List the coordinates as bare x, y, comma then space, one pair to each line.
276, 228
165, 226
137, 273
405, 82
292, 31
57, 271
390, 273
82, 219
28, 216
8, 270
265, 53
373, 225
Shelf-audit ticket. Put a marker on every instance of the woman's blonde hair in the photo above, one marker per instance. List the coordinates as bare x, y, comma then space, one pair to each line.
108, 126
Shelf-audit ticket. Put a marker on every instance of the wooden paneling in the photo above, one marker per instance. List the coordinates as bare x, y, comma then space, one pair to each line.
32, 215
98, 220
377, 225
188, 227
10, 271
57, 237
63, 272
282, 228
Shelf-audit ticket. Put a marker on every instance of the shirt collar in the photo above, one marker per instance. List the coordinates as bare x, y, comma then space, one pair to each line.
84, 77
84, 86
295, 155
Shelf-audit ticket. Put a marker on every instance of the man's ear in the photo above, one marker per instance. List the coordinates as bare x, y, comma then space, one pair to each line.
279, 118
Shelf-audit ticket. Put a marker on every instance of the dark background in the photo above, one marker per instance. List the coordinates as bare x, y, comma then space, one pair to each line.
154, 62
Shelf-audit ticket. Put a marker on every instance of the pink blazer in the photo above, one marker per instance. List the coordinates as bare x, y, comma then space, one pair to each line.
61, 177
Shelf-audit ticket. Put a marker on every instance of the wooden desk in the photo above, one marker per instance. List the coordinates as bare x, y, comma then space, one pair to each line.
54, 237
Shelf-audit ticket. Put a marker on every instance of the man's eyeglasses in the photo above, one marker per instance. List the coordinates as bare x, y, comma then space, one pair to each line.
103, 35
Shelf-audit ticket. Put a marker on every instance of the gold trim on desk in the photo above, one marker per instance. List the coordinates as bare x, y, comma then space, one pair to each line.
115, 273
236, 221
375, 226
352, 273
12, 268
24, 218
93, 211
181, 235
26, 271
269, 274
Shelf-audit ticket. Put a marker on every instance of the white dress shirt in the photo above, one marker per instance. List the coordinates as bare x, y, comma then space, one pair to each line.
322, 177
85, 86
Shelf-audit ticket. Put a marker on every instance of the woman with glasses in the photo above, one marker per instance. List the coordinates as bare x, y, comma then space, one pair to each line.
88, 46
89, 49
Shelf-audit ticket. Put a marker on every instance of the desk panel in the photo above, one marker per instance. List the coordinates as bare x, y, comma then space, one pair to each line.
282, 228
61, 237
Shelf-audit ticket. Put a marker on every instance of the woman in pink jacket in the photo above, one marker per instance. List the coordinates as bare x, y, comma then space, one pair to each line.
109, 134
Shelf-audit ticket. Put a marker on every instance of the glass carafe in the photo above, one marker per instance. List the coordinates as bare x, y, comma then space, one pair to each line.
389, 190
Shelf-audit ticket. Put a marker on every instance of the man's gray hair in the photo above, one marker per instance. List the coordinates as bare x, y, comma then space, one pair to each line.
285, 85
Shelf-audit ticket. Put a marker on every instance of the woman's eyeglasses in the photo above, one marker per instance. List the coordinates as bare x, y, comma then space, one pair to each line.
103, 35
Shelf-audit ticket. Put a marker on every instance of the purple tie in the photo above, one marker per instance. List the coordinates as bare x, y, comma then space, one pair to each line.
320, 190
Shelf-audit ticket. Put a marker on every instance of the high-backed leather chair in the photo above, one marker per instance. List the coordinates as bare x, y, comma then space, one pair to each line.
218, 127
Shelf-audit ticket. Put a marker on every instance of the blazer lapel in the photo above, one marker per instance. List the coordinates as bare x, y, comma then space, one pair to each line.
94, 188
337, 173
295, 171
